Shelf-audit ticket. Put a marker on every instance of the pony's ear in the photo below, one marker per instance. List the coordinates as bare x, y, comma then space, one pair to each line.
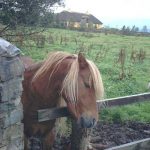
82, 61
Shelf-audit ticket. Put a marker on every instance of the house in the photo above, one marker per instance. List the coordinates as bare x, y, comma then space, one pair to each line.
78, 20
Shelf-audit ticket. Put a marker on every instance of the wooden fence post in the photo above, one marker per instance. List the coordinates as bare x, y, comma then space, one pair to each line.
11, 112
79, 137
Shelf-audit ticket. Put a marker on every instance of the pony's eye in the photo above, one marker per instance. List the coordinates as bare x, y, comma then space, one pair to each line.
87, 85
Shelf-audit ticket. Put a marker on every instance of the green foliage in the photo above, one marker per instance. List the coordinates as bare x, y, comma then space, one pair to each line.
25, 12
127, 31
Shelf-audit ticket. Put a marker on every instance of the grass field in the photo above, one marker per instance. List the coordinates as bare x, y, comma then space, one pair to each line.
104, 51
133, 112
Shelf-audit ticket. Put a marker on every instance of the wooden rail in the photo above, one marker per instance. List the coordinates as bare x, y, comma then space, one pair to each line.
143, 144
54, 113
119, 101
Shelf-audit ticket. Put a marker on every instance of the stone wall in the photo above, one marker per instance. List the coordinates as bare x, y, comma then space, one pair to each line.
11, 112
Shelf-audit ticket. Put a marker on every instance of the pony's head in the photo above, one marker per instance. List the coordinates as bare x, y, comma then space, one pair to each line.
75, 79
81, 88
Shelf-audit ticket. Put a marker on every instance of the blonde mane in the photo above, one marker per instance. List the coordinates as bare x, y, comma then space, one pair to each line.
70, 83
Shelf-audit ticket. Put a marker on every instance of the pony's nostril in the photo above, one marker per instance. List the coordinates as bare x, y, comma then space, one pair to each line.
94, 121
82, 121
87, 122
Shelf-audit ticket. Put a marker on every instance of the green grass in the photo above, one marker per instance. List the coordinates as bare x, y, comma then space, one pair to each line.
135, 112
94, 44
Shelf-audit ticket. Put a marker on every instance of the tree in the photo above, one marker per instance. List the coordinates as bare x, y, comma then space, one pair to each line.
144, 29
133, 30
25, 12
123, 30
137, 29
128, 30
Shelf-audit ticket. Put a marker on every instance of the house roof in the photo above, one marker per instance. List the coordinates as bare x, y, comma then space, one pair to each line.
76, 17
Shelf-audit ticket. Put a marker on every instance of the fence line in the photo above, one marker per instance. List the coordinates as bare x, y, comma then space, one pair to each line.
125, 100
50, 114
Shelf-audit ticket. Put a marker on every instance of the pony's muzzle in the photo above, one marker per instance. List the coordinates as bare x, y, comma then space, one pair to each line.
87, 122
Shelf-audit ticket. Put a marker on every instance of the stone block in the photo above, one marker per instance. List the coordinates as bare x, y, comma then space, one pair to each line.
7, 49
12, 137
10, 68
11, 118
10, 90
10, 105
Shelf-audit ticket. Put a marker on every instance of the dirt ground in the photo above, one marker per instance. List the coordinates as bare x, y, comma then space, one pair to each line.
112, 134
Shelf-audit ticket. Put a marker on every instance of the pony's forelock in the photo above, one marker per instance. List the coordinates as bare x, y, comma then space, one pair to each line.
70, 84
97, 80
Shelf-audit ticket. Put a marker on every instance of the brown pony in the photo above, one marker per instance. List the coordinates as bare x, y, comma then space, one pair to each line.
62, 76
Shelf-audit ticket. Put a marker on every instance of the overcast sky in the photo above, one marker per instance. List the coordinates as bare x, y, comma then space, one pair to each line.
114, 12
